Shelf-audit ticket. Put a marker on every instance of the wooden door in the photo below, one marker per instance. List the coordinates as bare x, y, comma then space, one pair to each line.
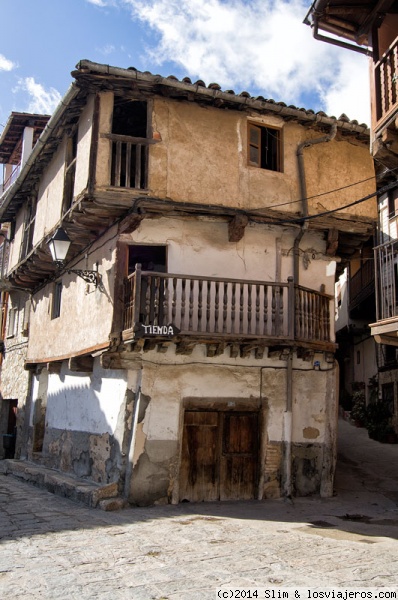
219, 459
239, 456
199, 457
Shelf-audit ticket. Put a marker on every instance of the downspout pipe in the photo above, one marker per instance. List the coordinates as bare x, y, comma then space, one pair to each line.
339, 43
288, 414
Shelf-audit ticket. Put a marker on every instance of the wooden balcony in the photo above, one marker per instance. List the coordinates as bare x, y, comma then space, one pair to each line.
385, 74
218, 311
362, 284
129, 159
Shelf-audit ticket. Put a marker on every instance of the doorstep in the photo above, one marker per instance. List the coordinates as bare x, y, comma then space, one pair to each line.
68, 486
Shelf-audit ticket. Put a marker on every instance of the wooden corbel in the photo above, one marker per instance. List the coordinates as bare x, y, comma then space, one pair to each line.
236, 228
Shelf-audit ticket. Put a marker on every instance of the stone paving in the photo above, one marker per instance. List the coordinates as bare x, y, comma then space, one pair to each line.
54, 548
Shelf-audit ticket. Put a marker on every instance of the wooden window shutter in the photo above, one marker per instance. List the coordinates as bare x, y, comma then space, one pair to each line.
254, 143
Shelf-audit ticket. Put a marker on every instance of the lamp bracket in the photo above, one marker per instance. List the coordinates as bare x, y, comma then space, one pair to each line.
88, 276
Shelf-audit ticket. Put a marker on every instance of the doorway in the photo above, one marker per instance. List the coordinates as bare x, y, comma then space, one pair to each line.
219, 458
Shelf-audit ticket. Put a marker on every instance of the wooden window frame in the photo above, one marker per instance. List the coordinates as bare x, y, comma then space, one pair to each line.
12, 325
70, 171
28, 228
256, 147
56, 298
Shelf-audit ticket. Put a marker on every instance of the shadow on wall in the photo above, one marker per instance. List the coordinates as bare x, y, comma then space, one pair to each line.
80, 423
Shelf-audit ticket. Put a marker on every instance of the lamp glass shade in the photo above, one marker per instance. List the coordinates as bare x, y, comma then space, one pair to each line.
59, 245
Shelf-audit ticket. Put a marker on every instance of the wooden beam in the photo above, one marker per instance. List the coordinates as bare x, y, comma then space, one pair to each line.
215, 350
333, 242
81, 364
131, 223
185, 347
54, 367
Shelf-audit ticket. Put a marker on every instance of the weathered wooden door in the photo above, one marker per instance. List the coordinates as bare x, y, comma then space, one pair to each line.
219, 456
239, 456
199, 459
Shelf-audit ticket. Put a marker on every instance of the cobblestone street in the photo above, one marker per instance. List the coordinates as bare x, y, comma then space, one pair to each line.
54, 548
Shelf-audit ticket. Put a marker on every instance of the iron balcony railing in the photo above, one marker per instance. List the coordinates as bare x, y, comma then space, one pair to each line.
216, 307
386, 85
386, 264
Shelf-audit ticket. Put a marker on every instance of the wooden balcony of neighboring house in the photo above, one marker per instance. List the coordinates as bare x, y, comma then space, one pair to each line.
9, 180
386, 283
4, 255
385, 92
219, 312
362, 286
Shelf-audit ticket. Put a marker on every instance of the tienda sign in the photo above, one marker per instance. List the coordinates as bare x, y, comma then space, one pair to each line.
156, 330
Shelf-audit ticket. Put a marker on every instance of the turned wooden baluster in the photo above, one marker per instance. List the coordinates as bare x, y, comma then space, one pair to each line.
128, 164
233, 307
225, 308
191, 302
200, 304
299, 313
183, 286
249, 308
147, 283
265, 320
258, 288
208, 305
216, 306
164, 302
174, 302
241, 307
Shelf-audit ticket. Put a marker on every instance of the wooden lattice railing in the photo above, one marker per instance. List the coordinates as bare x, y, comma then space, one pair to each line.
386, 84
227, 308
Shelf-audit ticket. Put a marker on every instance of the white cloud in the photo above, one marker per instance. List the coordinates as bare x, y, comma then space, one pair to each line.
42, 101
349, 92
102, 3
258, 45
6, 64
106, 50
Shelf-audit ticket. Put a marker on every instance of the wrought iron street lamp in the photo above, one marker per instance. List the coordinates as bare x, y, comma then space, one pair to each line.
59, 246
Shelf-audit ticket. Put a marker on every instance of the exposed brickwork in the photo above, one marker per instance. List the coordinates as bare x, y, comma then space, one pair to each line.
272, 470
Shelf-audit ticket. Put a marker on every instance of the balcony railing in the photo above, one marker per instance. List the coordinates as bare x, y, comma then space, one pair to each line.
11, 178
386, 262
386, 84
129, 161
231, 309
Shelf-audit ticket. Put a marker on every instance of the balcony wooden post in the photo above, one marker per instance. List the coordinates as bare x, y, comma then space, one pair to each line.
291, 308
137, 293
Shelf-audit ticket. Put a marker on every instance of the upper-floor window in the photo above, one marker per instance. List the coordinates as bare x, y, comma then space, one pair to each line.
28, 228
129, 143
264, 147
56, 300
70, 171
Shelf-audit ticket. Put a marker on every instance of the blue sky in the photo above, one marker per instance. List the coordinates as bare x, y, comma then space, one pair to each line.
256, 45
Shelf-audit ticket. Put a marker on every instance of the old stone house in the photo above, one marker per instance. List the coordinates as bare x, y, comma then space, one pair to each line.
184, 348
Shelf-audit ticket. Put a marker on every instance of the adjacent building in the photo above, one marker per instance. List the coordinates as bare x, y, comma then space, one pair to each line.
371, 28
184, 348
